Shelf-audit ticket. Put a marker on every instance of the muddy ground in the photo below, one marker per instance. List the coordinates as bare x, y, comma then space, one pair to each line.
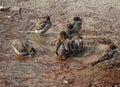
101, 23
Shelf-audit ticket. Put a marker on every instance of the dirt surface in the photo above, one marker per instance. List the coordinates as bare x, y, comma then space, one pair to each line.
101, 24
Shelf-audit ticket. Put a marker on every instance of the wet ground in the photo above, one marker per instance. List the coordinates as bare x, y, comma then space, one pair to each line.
44, 70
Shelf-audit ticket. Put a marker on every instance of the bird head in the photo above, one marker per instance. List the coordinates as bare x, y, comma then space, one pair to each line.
77, 19
48, 17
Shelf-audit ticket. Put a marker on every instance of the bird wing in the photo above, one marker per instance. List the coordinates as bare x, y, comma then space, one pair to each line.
15, 49
39, 26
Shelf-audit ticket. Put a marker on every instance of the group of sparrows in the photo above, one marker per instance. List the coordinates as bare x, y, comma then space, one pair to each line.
72, 33
70, 42
22, 48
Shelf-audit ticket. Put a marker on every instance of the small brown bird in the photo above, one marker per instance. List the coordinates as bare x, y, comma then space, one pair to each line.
22, 48
43, 27
62, 45
110, 55
77, 24
76, 44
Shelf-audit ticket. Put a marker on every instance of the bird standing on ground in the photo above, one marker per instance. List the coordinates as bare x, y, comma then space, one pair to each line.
62, 46
77, 24
110, 55
43, 27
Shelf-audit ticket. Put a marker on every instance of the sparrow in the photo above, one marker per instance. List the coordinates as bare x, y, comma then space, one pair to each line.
22, 48
110, 55
43, 27
77, 24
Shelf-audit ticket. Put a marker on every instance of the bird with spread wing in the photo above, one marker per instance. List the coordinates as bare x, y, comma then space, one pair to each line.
22, 48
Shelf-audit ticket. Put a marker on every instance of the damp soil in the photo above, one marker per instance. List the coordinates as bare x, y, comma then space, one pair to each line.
45, 70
